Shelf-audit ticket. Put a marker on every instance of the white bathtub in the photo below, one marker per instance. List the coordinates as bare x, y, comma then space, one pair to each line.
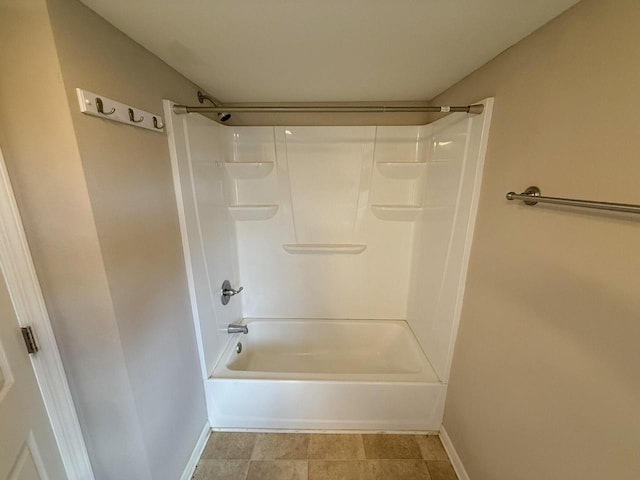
325, 374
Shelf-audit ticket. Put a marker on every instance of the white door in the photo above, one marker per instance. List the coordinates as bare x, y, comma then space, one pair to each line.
28, 450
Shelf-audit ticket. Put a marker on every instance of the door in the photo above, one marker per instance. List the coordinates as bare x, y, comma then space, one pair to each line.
28, 449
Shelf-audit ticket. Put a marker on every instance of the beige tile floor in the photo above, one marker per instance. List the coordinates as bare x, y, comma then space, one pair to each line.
301, 456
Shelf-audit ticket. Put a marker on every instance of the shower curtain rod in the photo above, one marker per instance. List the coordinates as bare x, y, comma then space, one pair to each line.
325, 108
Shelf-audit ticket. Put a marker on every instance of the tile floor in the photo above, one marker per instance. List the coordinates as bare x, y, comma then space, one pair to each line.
301, 456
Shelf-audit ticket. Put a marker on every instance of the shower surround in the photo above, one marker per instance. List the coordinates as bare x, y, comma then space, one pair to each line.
351, 244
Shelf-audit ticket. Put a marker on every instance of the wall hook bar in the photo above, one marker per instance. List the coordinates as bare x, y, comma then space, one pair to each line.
100, 107
532, 196
92, 103
132, 117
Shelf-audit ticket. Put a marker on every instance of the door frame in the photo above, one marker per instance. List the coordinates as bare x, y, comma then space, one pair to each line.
28, 302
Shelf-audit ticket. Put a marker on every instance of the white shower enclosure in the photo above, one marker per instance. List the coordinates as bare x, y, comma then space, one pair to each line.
352, 245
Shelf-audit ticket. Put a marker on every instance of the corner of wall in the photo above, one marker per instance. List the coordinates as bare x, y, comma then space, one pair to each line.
51, 191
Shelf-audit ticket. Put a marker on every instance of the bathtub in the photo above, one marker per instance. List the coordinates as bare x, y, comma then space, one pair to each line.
308, 374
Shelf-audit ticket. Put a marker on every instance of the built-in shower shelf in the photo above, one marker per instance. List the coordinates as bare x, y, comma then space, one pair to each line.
245, 170
252, 212
435, 208
401, 170
397, 213
324, 248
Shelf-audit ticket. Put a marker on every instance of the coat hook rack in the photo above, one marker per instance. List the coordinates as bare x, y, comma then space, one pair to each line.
104, 107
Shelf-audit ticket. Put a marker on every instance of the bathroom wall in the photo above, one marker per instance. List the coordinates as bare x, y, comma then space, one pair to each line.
545, 380
99, 211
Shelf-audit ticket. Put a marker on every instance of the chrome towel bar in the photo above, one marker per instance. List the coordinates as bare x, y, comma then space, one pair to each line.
531, 196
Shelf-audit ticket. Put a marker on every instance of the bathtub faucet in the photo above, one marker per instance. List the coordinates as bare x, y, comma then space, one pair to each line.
226, 292
234, 328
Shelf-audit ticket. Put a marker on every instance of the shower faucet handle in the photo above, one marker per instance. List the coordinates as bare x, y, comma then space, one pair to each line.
230, 292
227, 292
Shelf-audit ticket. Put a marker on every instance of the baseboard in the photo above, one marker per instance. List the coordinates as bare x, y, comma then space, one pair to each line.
453, 455
324, 430
187, 474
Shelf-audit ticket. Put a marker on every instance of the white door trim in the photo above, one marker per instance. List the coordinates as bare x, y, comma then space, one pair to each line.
30, 308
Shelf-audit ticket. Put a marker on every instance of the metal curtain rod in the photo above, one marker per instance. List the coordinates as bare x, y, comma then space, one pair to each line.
218, 107
326, 108
531, 196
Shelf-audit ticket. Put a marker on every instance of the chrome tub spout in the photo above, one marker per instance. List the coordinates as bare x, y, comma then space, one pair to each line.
234, 328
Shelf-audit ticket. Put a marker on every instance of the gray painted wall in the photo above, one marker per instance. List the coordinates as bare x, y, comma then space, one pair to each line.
546, 372
99, 209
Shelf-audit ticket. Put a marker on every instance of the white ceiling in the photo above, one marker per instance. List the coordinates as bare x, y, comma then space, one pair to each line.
326, 50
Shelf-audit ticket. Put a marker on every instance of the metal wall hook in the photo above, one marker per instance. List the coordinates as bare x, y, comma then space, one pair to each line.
156, 125
100, 107
132, 118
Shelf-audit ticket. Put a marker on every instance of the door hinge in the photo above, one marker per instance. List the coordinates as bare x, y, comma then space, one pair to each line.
29, 339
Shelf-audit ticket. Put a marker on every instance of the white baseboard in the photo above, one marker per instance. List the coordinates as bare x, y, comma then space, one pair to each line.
197, 452
323, 430
453, 455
